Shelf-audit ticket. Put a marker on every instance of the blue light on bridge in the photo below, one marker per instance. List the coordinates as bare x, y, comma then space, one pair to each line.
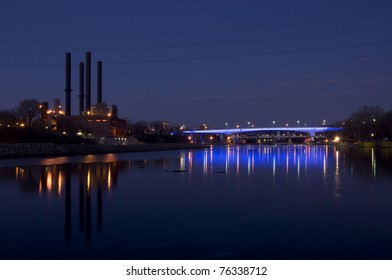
311, 130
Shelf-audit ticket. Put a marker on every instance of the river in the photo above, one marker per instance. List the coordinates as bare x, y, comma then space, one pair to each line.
223, 202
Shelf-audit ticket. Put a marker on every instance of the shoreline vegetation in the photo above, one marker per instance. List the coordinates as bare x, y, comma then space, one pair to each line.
24, 150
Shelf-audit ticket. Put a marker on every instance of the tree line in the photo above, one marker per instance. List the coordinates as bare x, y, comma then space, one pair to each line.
24, 114
367, 123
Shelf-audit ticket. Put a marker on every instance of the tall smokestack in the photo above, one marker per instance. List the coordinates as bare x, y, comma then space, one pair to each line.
81, 87
99, 82
68, 84
88, 81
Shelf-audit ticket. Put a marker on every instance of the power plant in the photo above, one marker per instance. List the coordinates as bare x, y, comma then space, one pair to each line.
94, 121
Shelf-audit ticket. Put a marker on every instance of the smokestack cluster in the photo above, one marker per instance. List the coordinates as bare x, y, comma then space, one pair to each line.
99, 82
88, 81
81, 87
68, 84
84, 84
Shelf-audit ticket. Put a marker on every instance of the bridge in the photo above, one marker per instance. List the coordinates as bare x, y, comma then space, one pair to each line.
246, 131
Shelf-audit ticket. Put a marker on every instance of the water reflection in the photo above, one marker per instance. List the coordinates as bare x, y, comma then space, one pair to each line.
94, 175
92, 179
257, 180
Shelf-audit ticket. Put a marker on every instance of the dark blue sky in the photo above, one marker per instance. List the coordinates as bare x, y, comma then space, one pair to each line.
204, 61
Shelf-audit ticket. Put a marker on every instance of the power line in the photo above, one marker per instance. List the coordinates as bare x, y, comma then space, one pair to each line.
249, 67
246, 55
211, 69
209, 57
208, 43
196, 31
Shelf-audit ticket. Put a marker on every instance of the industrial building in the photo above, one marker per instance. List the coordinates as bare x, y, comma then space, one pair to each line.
95, 121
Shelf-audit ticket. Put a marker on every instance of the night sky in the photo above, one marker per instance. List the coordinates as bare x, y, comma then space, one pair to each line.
204, 61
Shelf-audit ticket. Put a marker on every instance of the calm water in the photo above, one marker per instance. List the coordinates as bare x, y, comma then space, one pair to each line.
236, 202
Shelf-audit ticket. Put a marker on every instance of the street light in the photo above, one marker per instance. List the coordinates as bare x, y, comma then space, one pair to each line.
297, 123
227, 125
273, 123
248, 124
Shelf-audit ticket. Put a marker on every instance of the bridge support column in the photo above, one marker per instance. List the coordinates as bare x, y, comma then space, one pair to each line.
221, 138
312, 135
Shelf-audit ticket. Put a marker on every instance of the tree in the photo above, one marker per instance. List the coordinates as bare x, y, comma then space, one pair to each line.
28, 110
364, 124
8, 118
160, 127
138, 129
386, 125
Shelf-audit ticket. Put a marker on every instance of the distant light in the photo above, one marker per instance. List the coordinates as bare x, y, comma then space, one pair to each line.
237, 126
337, 139
372, 134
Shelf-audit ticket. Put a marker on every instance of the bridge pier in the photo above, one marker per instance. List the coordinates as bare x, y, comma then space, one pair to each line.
312, 136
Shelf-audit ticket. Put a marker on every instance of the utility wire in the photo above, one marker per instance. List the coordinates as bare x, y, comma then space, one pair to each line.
206, 43
209, 57
247, 55
194, 31
211, 69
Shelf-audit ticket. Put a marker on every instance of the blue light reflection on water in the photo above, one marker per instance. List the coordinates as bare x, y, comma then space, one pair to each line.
245, 202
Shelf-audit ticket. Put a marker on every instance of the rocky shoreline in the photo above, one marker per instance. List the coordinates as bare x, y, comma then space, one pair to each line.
22, 150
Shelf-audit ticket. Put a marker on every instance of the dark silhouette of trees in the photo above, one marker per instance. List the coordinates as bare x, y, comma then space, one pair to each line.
28, 110
365, 124
156, 131
8, 118
137, 129
386, 126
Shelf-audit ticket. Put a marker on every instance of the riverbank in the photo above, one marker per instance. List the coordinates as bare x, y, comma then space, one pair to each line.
23, 150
